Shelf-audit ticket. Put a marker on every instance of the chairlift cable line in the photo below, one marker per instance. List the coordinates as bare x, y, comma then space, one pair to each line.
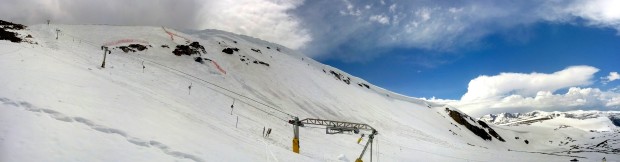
256, 101
264, 104
153, 62
265, 111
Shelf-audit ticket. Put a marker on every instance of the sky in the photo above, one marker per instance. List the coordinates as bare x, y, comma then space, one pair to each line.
482, 56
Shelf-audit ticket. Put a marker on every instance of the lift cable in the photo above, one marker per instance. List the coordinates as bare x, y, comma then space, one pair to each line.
205, 81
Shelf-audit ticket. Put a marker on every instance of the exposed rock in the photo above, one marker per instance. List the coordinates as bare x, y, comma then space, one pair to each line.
256, 50
197, 45
126, 49
191, 49
480, 132
11, 26
230, 50
483, 124
10, 36
260, 62
138, 47
363, 85
132, 48
5, 34
199, 60
494, 134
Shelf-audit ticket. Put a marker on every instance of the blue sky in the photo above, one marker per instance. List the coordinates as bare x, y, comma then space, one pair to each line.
547, 48
480, 56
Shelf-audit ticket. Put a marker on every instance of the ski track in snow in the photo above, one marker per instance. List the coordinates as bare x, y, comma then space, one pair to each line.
267, 149
134, 140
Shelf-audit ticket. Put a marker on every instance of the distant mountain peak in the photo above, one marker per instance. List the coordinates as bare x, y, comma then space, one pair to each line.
538, 115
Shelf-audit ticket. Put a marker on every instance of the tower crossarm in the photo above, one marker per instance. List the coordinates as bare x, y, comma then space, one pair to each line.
337, 124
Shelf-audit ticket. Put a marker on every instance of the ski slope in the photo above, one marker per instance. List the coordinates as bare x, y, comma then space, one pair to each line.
58, 104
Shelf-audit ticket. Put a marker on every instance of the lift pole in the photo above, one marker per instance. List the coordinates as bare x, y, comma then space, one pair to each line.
296, 125
105, 52
370, 139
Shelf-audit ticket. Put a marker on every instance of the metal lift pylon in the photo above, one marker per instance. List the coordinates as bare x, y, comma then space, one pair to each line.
296, 123
371, 137
333, 127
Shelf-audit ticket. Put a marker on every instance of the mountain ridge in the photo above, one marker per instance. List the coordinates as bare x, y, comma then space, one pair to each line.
517, 118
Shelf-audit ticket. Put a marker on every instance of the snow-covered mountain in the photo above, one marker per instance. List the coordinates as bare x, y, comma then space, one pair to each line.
208, 95
540, 116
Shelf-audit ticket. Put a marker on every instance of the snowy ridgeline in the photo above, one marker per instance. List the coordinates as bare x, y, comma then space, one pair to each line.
208, 95
526, 118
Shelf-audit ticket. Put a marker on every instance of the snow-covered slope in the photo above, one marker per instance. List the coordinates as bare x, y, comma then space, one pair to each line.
57, 104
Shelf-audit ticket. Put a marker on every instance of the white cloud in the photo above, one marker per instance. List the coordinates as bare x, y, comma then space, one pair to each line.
489, 87
350, 9
425, 13
265, 19
380, 19
603, 13
520, 92
611, 77
455, 10
616, 89
393, 8
575, 99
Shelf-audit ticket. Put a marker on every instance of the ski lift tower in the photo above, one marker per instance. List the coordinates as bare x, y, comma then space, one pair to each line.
333, 127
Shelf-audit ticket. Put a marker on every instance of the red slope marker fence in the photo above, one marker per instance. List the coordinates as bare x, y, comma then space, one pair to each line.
174, 34
218, 67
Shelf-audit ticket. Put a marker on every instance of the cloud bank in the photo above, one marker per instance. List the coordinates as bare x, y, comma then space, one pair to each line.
489, 87
521, 92
361, 30
266, 19
171, 13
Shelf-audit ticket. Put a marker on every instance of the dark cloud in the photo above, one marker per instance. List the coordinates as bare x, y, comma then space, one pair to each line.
349, 30
265, 19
